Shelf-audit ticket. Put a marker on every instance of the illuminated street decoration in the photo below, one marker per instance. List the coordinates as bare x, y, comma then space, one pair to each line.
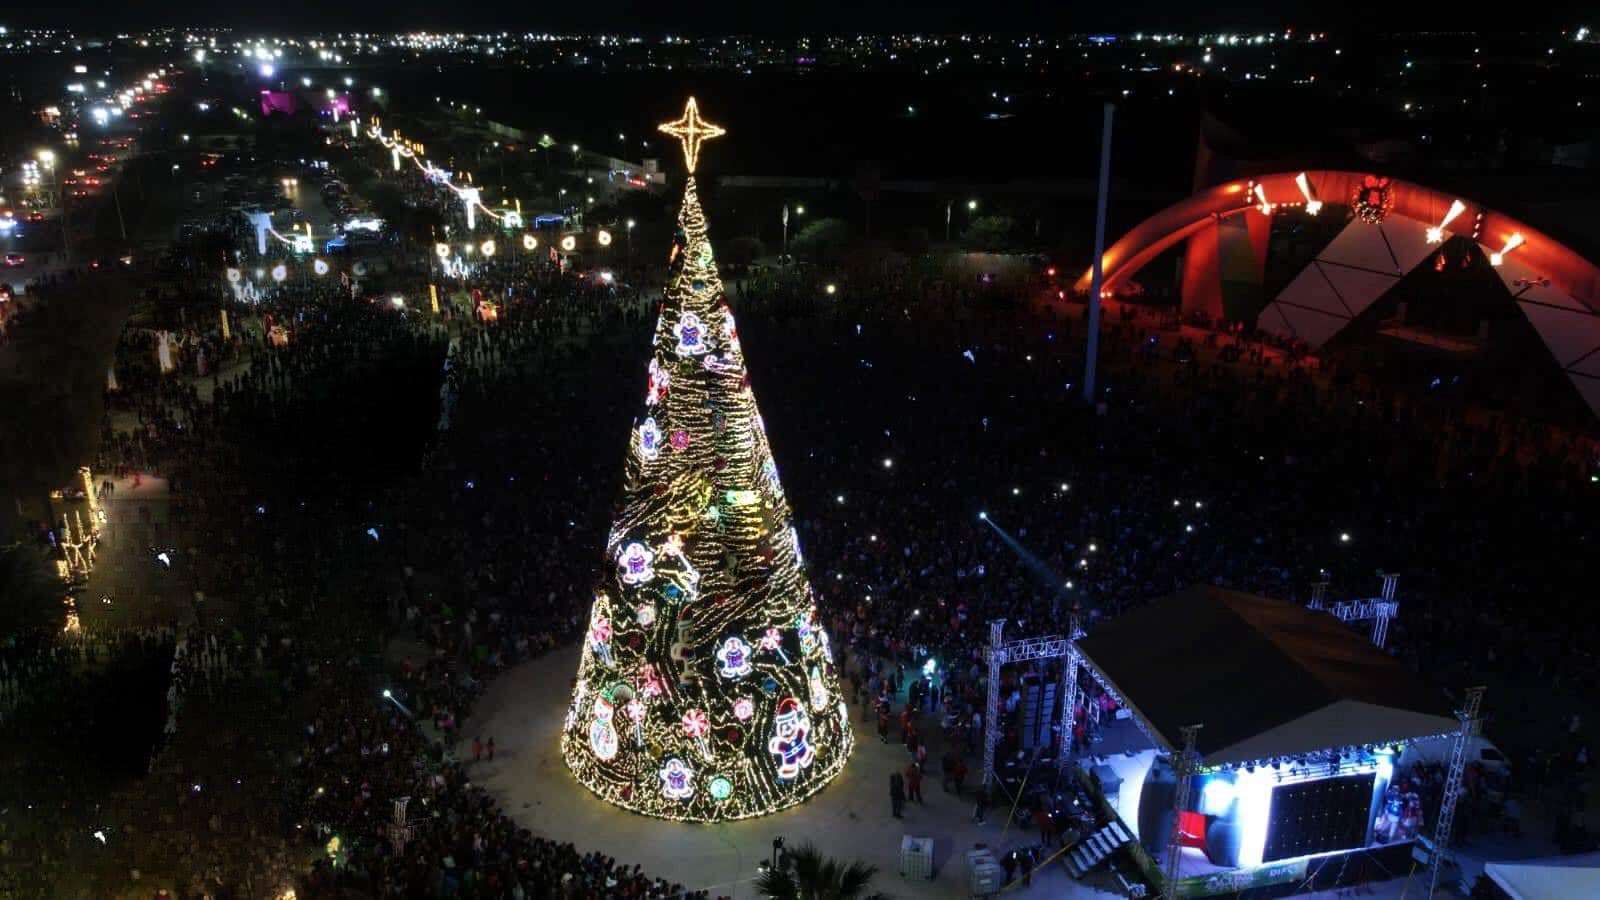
1373, 199
1313, 205
1514, 241
708, 584
1260, 193
1436, 232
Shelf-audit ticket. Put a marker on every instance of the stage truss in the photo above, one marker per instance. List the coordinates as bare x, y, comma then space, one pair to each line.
999, 653
1379, 610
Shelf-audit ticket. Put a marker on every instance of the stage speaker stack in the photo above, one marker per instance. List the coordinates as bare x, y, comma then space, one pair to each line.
1038, 708
1155, 806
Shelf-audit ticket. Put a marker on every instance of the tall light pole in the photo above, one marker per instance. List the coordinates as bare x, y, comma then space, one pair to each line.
1097, 276
799, 211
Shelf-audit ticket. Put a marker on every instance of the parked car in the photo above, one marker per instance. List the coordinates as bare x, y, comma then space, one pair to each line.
12, 260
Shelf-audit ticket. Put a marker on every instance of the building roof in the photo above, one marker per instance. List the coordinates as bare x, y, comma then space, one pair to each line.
1263, 677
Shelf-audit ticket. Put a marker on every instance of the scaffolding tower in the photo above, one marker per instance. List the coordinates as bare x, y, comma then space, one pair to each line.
1184, 764
1468, 717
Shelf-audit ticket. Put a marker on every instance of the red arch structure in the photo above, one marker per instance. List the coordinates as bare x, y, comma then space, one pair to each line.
1228, 226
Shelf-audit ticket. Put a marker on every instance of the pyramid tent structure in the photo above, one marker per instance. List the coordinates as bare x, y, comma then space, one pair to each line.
706, 690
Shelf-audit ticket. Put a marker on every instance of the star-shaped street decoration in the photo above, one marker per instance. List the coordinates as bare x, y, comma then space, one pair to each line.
691, 130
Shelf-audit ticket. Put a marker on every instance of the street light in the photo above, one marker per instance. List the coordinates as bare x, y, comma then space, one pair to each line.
604, 237
488, 248
972, 205
799, 211
529, 242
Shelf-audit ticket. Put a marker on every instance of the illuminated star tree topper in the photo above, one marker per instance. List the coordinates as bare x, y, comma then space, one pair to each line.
691, 131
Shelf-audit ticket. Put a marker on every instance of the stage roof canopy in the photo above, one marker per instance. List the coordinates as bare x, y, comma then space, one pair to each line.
1265, 678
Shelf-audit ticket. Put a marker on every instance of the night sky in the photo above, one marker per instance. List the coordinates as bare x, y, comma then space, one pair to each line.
811, 16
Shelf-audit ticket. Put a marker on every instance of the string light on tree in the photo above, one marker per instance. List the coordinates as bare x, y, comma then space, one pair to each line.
712, 634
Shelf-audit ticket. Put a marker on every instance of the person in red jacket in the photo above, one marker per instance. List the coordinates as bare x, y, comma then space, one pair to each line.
914, 783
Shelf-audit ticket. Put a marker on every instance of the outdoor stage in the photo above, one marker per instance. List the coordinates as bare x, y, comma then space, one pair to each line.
523, 711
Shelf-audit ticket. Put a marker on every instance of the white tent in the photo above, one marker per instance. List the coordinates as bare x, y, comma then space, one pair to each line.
1548, 878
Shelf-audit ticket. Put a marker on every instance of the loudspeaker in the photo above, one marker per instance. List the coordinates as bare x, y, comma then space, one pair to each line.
1155, 806
1222, 842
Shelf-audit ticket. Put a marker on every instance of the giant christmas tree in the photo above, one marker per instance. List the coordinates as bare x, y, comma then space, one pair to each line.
706, 690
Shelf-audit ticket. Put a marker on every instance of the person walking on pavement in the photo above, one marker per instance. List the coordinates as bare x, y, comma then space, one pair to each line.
982, 805
489, 749
477, 750
914, 783
897, 793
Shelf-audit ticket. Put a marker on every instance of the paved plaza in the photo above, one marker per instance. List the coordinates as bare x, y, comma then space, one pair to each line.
523, 711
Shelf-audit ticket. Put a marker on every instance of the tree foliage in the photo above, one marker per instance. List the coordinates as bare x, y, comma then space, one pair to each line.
821, 241
808, 875
990, 233
30, 597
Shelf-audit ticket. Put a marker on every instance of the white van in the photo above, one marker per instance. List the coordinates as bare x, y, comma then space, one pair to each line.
1479, 750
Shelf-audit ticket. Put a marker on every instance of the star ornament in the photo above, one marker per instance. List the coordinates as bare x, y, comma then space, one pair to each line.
691, 130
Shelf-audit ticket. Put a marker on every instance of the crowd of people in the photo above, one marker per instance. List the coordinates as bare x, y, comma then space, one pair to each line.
390, 508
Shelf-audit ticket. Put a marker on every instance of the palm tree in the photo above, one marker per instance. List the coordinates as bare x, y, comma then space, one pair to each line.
808, 875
